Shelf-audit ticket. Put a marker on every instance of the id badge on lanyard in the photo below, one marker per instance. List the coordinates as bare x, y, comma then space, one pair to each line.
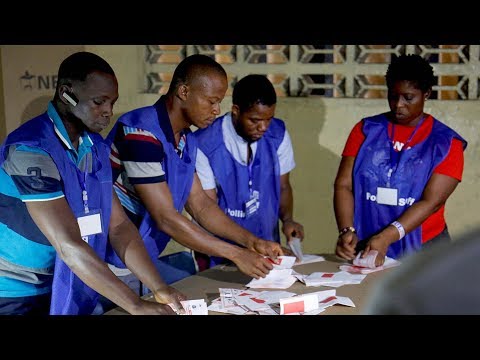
251, 206
388, 195
90, 222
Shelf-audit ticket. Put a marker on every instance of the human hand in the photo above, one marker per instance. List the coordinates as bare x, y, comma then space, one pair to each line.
378, 243
346, 244
271, 249
287, 252
252, 264
148, 307
170, 296
293, 229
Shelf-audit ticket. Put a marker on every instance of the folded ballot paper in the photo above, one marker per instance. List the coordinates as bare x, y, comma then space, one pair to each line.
367, 264
330, 279
282, 276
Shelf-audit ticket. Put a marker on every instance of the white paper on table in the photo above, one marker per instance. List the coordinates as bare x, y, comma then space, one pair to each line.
272, 297
309, 258
282, 262
226, 297
236, 310
389, 262
315, 312
195, 307
268, 311
345, 301
333, 300
248, 299
296, 246
299, 304
324, 294
333, 279
276, 279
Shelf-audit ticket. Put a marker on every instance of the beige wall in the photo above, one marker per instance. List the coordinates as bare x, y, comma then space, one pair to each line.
3, 130
319, 128
29, 79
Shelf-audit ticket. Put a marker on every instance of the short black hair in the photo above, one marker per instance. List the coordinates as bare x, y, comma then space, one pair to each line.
79, 65
253, 89
412, 68
191, 67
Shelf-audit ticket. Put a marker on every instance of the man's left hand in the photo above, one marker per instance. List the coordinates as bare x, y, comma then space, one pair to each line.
292, 229
171, 296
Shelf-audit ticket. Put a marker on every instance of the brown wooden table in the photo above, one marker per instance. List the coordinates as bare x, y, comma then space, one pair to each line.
205, 285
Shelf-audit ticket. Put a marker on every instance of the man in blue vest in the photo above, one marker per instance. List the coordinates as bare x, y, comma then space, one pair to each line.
58, 209
153, 156
244, 160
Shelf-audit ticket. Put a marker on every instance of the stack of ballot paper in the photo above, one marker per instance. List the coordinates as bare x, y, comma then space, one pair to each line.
367, 264
245, 302
249, 302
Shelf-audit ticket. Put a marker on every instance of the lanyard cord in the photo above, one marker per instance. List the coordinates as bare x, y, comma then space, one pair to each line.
395, 156
82, 177
250, 168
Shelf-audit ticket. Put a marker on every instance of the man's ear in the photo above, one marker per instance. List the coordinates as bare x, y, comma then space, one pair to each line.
67, 96
182, 91
427, 94
235, 111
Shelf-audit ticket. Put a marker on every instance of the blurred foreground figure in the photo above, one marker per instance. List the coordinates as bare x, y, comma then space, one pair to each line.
442, 280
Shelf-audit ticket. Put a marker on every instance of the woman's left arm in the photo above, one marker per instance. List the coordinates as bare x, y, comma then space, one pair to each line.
435, 194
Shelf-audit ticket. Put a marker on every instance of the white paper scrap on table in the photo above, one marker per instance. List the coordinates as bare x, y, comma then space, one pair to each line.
309, 258
333, 279
249, 299
226, 297
268, 311
324, 294
195, 307
333, 300
276, 279
272, 297
300, 277
217, 307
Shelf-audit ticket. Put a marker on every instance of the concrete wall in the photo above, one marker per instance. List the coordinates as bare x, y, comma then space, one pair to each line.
319, 128
29, 79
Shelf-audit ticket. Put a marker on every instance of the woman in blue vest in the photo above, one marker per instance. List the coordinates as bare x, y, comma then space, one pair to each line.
397, 171
153, 156
58, 210
244, 161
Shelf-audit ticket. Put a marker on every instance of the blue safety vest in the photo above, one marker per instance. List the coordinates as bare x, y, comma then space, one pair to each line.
414, 169
179, 174
232, 178
70, 295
